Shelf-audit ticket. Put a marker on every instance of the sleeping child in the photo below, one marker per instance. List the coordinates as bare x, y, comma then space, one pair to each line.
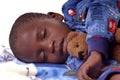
41, 38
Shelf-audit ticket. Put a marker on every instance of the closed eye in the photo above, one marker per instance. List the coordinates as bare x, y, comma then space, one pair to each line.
41, 34
44, 56
44, 34
41, 56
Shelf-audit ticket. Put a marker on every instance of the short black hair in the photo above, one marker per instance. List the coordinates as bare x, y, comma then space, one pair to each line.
17, 26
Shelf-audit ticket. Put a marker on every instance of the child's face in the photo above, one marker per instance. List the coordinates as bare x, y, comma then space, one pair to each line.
43, 41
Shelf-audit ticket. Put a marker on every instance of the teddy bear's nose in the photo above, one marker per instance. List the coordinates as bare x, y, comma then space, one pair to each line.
81, 56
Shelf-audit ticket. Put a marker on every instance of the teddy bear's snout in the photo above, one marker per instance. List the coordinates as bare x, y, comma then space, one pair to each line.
81, 56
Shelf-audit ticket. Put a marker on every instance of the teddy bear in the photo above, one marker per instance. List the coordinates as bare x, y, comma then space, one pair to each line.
77, 45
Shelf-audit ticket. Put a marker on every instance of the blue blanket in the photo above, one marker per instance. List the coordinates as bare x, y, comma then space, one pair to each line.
11, 66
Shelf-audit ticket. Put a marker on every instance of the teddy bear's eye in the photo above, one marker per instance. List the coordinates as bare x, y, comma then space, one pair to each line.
77, 45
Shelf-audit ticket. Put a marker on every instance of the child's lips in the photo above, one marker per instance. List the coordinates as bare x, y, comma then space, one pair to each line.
61, 47
64, 46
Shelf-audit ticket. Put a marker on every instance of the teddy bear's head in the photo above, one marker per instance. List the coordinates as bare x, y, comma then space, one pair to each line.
76, 45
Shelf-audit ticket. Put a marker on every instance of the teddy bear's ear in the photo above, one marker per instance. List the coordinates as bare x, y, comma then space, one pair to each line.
117, 35
71, 35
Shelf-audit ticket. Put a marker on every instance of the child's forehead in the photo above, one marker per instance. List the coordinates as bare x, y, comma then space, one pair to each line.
41, 23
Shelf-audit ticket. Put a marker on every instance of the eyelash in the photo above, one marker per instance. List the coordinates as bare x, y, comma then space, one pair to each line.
41, 35
44, 34
42, 55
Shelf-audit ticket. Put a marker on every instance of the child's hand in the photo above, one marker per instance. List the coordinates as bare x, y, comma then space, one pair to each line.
82, 73
90, 69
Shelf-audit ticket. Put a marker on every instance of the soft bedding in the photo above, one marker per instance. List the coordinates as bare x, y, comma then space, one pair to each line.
13, 69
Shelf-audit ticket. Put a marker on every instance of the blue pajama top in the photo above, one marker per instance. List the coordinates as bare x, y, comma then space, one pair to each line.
97, 18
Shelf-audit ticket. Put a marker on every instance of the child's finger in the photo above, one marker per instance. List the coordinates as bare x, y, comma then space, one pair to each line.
82, 75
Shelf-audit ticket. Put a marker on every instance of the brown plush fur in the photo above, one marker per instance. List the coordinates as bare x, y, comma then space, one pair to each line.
77, 45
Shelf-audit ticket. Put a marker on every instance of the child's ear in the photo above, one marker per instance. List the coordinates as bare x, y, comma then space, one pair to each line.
56, 16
